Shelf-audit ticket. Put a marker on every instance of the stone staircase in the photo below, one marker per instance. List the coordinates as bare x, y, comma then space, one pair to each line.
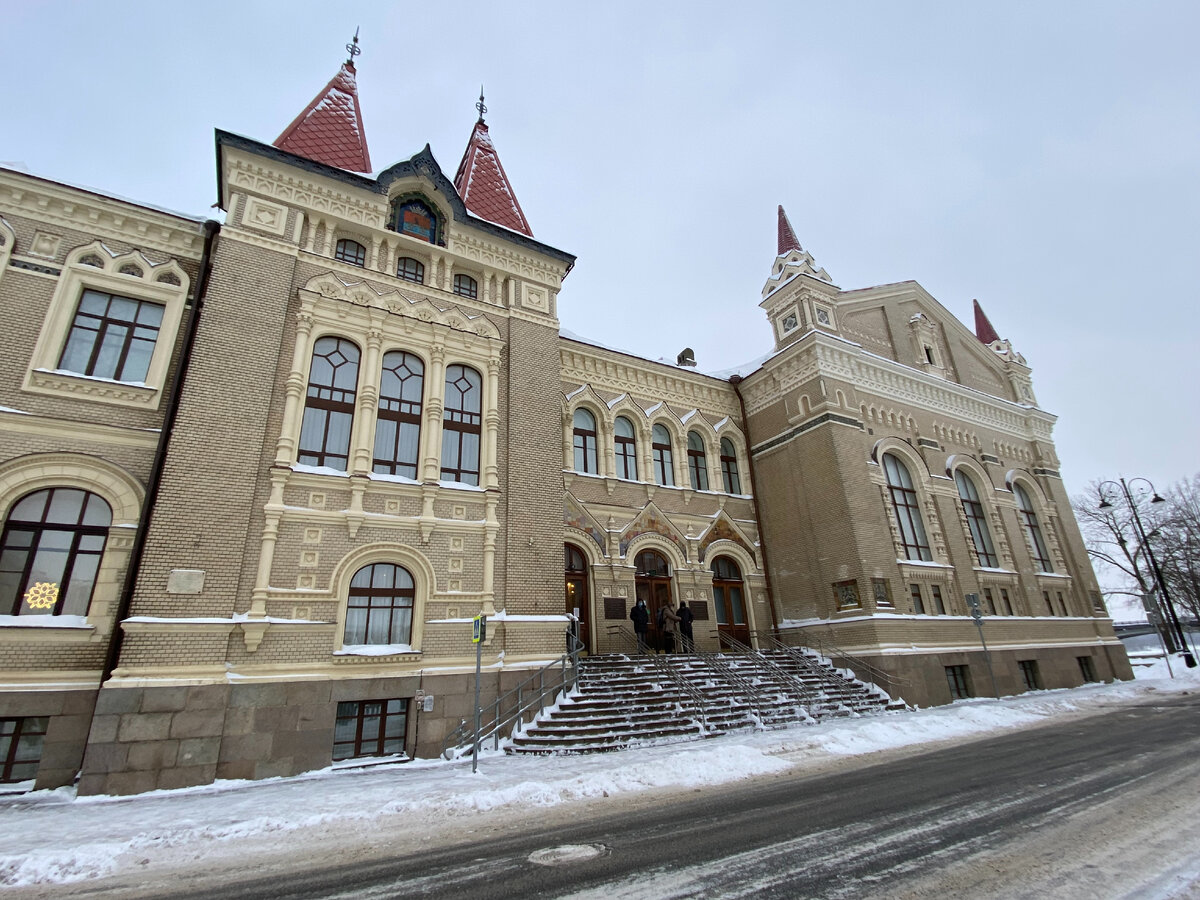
622, 701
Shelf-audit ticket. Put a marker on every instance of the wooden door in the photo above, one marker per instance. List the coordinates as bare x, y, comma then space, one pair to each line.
729, 601
653, 584
576, 591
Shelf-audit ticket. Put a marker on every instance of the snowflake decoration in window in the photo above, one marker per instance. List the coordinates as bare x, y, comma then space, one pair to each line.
823, 316
789, 322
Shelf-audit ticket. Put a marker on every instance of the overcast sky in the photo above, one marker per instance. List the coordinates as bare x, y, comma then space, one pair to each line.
1041, 157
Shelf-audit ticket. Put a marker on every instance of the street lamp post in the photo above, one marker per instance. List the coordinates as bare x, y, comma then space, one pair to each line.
1174, 628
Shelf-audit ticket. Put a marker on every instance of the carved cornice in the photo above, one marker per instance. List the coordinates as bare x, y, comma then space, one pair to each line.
92, 213
283, 183
819, 354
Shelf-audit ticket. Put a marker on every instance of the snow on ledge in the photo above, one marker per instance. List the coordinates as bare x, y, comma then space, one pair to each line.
44, 621
374, 650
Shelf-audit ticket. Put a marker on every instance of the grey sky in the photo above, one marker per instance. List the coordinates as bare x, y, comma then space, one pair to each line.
1043, 158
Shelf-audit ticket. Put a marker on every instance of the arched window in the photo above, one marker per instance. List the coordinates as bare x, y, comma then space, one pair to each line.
908, 513
50, 552
976, 519
625, 448
466, 286
410, 269
352, 252
585, 442
1041, 556
460, 425
417, 219
729, 467
398, 427
329, 405
379, 607
697, 466
660, 445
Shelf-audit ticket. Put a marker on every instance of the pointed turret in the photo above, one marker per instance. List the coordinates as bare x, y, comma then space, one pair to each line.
983, 328
787, 237
482, 184
330, 129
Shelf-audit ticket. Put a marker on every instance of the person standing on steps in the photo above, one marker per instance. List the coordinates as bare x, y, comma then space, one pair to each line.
686, 643
668, 627
641, 622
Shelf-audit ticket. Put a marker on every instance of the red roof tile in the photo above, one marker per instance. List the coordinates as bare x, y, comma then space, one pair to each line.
484, 187
983, 328
330, 128
787, 238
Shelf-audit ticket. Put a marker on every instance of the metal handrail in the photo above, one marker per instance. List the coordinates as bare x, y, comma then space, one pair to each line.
753, 693
807, 695
663, 667
463, 738
862, 670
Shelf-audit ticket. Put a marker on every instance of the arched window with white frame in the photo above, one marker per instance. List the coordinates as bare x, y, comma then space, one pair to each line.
329, 404
461, 418
907, 510
1029, 520
625, 449
584, 440
697, 462
660, 445
379, 606
729, 467
398, 423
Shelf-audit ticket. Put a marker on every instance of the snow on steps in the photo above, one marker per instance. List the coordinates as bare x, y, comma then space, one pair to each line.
623, 701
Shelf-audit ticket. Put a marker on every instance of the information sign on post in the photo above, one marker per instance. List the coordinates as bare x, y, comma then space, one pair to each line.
977, 615
479, 629
478, 636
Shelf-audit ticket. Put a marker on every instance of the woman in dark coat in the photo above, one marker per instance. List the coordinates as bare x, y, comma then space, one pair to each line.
685, 627
641, 621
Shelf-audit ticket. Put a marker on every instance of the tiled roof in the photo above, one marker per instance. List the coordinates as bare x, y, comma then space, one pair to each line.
330, 129
983, 328
484, 187
787, 237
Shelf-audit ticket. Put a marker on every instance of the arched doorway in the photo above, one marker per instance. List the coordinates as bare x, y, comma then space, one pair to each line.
729, 600
575, 565
653, 584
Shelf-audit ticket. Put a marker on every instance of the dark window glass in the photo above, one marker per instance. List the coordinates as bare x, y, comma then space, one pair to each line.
398, 427
351, 252
908, 513
584, 439
1004, 598
1086, 668
21, 747
367, 728
958, 678
1049, 605
1041, 556
936, 592
989, 601
625, 448
697, 465
410, 269
660, 446
727, 592
466, 286
329, 404
652, 564
573, 560
112, 337
1029, 672
380, 605
460, 425
918, 603
50, 552
976, 520
729, 467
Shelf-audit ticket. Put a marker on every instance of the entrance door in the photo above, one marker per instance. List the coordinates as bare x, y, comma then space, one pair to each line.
653, 584
576, 590
729, 601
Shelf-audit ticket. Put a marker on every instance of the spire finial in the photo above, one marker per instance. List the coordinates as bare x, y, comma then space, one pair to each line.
480, 106
353, 49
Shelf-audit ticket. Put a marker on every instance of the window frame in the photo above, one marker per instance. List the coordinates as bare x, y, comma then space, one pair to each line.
662, 458
729, 468
1039, 552
12, 742
697, 462
906, 508
459, 425
977, 525
107, 324
464, 285
417, 275
43, 375
345, 251
958, 679
369, 593
625, 449
329, 405
585, 457
406, 412
344, 712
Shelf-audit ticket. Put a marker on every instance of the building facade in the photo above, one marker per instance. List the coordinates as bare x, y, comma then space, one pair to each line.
258, 478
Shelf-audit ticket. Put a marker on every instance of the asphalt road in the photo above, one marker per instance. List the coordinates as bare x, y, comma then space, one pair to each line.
835, 835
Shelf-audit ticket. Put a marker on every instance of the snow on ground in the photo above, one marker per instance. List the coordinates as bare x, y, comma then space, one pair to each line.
97, 837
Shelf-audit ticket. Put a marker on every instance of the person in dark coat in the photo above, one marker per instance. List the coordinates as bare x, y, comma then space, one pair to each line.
686, 644
670, 627
641, 622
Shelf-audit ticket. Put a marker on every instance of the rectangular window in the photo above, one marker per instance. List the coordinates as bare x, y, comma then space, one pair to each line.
1087, 669
959, 680
936, 591
989, 601
1029, 671
881, 589
1097, 603
917, 602
1062, 604
21, 747
112, 337
367, 728
1004, 598
1049, 606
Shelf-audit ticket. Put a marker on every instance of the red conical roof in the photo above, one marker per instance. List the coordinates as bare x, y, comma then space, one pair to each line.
787, 238
484, 187
330, 129
983, 328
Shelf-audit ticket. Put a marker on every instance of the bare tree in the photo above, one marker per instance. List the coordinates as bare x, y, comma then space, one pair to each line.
1178, 550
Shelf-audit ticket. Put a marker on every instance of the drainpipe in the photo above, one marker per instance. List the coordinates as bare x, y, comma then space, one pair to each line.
211, 228
762, 543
